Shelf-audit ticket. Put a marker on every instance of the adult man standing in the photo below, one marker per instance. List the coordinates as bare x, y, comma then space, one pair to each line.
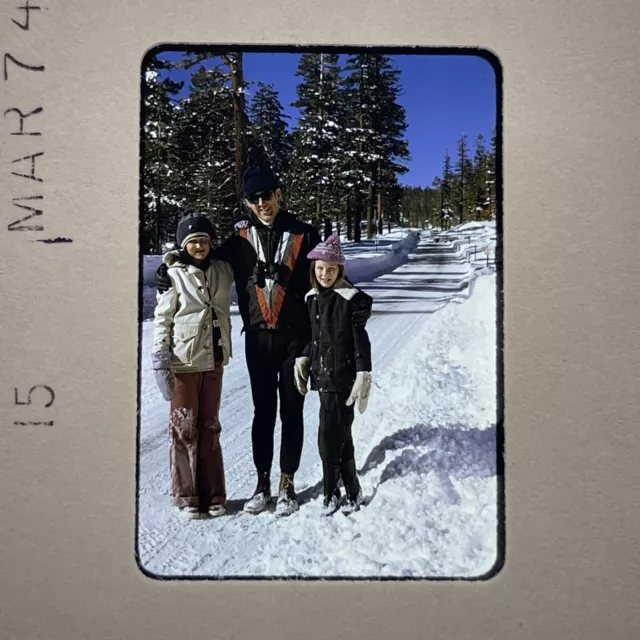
268, 255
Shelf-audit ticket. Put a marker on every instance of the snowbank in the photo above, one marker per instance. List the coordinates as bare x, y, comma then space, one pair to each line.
369, 260
388, 252
475, 226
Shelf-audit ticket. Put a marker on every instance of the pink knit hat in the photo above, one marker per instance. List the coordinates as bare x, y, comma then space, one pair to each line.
329, 251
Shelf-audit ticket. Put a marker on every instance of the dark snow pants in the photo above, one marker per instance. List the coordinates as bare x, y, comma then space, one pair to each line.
195, 455
271, 356
336, 444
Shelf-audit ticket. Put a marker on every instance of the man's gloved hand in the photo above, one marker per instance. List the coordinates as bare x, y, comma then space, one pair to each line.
162, 279
165, 378
301, 374
360, 390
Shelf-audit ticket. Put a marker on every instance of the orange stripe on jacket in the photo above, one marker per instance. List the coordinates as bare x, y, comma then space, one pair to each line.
271, 317
277, 306
264, 308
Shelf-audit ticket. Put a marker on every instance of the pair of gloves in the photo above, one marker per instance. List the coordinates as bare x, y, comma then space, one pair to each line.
360, 390
165, 378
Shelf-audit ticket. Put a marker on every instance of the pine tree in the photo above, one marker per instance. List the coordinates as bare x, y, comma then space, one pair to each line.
431, 206
391, 125
361, 161
318, 153
464, 170
446, 190
409, 204
492, 177
230, 67
480, 187
208, 148
234, 63
419, 205
394, 208
373, 86
268, 129
160, 179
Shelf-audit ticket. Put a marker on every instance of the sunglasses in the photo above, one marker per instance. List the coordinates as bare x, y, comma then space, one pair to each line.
254, 198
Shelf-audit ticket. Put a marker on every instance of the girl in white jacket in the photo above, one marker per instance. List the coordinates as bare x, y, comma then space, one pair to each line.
192, 344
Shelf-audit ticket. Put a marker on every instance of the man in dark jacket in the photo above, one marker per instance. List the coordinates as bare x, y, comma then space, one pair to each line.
268, 255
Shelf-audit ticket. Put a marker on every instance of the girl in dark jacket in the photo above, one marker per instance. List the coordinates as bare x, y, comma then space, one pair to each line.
338, 361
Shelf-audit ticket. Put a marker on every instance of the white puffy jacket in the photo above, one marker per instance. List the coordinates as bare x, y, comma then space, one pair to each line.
183, 321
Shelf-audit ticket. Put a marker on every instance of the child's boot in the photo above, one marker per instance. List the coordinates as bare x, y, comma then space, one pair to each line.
216, 510
191, 513
261, 496
331, 476
353, 502
354, 498
331, 503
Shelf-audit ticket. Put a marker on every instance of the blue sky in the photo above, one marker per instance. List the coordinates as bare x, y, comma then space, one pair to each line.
444, 96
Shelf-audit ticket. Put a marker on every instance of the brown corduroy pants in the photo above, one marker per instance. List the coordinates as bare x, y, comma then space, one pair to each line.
195, 455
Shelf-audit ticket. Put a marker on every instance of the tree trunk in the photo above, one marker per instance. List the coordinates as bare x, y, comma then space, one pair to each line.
158, 247
357, 223
461, 187
328, 228
370, 212
427, 207
380, 223
349, 225
158, 242
239, 120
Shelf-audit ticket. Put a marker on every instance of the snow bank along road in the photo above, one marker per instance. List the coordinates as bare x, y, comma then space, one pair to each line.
425, 447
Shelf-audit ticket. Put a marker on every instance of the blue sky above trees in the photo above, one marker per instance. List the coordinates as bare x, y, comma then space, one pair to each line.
444, 96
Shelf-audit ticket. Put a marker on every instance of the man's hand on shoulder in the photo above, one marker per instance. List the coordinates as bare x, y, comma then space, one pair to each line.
162, 280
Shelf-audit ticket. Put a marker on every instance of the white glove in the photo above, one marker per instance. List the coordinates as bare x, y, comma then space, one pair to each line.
360, 390
301, 374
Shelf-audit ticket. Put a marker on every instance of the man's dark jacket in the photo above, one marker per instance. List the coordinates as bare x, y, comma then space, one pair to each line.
257, 254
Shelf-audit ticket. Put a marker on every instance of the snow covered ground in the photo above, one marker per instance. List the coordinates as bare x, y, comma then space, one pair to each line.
425, 447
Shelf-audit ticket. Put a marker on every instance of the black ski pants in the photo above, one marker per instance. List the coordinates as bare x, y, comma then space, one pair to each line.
271, 356
336, 444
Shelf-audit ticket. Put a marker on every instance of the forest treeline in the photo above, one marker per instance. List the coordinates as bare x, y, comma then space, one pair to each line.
340, 164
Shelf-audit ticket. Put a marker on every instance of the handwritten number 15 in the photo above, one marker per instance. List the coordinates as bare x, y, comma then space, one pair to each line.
38, 386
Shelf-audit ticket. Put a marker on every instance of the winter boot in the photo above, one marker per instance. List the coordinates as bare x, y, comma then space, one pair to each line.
330, 479
261, 496
352, 488
287, 500
331, 503
354, 498
191, 513
353, 502
216, 510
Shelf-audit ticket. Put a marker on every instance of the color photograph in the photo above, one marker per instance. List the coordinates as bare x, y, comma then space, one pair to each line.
320, 321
